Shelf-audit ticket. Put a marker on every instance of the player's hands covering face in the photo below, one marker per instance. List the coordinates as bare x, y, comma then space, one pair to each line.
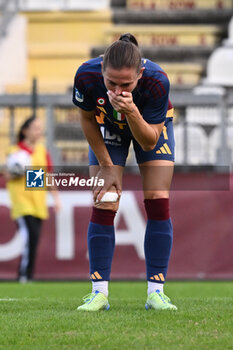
121, 103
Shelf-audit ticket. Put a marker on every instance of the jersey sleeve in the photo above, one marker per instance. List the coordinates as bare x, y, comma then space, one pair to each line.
82, 90
156, 107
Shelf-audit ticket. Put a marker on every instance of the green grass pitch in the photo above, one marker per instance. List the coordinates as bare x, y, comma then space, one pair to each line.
43, 316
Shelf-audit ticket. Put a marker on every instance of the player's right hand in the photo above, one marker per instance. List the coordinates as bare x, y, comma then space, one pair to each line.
111, 183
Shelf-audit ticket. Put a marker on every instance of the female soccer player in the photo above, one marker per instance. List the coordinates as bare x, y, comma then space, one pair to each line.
122, 98
28, 208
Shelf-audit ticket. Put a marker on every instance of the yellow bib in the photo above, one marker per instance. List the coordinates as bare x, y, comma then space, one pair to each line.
28, 201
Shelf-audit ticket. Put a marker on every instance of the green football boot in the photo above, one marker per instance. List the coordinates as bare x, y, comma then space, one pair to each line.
94, 302
159, 301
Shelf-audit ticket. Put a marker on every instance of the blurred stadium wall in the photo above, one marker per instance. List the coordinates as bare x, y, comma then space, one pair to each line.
46, 41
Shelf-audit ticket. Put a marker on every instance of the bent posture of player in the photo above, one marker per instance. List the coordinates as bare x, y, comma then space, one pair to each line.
130, 97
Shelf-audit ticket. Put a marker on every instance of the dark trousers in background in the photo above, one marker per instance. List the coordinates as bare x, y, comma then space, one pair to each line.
29, 228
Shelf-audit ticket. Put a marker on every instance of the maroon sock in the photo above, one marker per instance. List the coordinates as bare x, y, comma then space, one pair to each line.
157, 209
102, 217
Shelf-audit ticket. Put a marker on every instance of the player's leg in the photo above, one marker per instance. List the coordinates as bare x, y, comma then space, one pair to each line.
156, 169
157, 177
101, 233
34, 229
101, 244
101, 236
24, 234
29, 229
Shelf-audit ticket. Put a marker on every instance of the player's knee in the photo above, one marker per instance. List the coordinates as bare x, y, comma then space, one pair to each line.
107, 206
156, 194
110, 203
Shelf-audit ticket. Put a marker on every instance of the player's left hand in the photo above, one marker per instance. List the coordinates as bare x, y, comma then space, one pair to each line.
121, 103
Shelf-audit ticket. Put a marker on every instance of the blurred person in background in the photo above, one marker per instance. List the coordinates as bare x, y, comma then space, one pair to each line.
28, 207
123, 97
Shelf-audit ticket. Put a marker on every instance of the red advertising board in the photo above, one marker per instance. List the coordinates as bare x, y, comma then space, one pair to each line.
202, 248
